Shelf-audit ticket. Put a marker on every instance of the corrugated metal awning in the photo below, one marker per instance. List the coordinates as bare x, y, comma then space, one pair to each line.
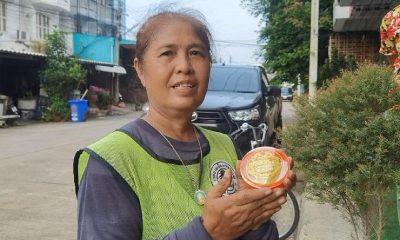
111, 69
19, 52
42, 55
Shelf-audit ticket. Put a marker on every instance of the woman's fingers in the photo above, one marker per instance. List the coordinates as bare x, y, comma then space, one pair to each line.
219, 189
262, 218
291, 163
241, 211
290, 180
248, 196
258, 196
274, 201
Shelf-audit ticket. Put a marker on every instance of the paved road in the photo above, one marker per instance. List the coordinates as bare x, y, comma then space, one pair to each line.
37, 199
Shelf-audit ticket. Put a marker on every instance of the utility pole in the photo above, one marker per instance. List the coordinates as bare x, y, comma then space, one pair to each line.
313, 68
117, 45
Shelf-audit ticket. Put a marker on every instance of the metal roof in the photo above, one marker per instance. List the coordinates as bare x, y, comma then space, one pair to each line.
42, 55
366, 15
2, 50
364, 2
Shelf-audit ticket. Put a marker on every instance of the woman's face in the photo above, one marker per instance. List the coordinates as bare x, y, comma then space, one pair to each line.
175, 68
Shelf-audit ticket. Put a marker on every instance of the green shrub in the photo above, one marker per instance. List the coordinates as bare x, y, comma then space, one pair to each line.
60, 75
347, 142
57, 111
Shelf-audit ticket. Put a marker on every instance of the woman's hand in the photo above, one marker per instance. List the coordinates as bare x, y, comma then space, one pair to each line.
291, 179
228, 217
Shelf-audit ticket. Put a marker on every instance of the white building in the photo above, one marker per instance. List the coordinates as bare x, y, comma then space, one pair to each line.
91, 26
25, 23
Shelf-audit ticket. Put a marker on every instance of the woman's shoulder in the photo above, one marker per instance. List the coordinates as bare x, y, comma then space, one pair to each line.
117, 138
211, 133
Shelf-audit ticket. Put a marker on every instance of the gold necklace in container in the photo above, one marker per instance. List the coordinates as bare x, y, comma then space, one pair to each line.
199, 195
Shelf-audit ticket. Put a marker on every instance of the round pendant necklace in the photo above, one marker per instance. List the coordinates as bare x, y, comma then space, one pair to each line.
199, 195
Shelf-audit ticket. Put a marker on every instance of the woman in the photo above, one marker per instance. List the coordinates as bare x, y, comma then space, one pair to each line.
148, 180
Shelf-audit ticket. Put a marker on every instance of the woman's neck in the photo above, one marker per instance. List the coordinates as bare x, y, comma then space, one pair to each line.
179, 128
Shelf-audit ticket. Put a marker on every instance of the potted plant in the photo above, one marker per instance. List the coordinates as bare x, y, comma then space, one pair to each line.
104, 101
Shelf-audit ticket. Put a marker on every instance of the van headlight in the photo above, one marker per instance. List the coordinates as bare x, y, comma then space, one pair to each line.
245, 115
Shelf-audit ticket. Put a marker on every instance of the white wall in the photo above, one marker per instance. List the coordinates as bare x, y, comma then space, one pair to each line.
21, 15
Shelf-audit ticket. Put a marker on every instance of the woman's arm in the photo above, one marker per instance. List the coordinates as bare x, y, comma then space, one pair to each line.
107, 207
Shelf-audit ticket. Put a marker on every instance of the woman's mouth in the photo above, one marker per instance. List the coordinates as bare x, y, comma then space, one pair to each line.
183, 85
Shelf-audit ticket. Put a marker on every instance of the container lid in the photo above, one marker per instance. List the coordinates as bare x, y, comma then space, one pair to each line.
265, 167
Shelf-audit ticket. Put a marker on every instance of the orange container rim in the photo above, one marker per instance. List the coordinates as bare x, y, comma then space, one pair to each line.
277, 152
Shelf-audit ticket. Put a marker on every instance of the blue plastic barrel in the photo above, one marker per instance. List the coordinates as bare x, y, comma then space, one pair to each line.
78, 109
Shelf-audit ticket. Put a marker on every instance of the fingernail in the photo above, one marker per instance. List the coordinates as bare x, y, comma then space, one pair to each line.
226, 173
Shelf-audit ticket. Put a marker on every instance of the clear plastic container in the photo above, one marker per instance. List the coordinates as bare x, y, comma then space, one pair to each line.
265, 167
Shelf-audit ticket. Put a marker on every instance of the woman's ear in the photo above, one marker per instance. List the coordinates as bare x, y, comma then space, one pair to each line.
139, 70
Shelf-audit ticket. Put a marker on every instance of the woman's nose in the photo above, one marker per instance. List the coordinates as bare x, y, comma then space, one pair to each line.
184, 65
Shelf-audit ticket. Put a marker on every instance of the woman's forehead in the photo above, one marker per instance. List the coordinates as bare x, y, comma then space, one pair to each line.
171, 32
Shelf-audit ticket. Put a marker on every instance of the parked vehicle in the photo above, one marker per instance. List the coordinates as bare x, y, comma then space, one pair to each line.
287, 93
238, 94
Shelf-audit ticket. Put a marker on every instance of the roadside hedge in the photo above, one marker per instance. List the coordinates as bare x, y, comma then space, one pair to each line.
347, 142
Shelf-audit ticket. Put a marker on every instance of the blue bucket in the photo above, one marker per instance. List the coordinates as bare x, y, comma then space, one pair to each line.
78, 109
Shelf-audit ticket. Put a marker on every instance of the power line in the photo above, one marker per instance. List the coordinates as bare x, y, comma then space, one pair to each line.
232, 42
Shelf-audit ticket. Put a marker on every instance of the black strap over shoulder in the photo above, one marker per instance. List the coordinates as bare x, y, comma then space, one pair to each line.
75, 170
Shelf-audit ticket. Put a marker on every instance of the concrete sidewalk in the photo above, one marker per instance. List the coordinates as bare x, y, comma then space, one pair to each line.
321, 222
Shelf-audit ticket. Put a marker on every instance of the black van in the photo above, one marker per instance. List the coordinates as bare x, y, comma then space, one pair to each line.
238, 94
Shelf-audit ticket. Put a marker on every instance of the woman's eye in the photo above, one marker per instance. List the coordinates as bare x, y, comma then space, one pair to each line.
166, 53
196, 53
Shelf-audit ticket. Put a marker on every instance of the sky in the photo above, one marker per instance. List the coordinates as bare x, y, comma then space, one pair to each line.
234, 29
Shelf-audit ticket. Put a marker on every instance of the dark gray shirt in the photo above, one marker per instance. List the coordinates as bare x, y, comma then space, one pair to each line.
108, 208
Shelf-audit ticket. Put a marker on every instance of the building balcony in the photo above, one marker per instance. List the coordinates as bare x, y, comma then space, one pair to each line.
55, 5
366, 2
362, 15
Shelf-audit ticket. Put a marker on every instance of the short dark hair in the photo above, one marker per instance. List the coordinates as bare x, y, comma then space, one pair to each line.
146, 32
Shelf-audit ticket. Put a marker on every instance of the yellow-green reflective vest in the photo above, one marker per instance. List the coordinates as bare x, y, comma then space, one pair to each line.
165, 190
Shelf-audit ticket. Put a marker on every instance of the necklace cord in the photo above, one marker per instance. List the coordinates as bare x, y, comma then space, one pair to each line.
194, 184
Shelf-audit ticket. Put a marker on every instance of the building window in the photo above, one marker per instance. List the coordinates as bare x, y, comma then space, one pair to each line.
43, 25
2, 16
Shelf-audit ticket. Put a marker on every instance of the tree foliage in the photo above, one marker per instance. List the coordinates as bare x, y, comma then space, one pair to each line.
285, 32
60, 75
347, 142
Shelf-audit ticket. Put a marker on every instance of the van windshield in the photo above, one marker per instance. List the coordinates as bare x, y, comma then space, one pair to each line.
233, 79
